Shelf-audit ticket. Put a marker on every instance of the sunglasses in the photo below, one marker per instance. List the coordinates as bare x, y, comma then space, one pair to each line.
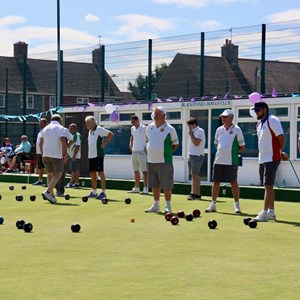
257, 109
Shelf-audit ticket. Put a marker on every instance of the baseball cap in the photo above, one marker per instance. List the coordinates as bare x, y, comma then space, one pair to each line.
226, 112
161, 108
259, 105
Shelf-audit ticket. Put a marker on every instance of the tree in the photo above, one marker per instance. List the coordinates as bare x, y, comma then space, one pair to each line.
139, 88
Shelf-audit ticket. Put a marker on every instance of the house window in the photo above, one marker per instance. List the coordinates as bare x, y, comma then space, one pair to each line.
29, 102
82, 100
52, 102
2, 101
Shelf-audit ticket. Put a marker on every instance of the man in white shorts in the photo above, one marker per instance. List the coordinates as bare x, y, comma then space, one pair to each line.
229, 140
161, 141
137, 146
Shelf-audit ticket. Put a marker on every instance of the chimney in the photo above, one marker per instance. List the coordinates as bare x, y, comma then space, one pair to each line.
230, 52
97, 57
20, 50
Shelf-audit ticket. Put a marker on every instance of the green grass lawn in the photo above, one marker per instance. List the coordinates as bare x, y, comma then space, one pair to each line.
112, 258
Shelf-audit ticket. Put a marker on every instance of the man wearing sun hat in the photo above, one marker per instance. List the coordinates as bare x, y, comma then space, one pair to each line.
161, 142
271, 142
229, 141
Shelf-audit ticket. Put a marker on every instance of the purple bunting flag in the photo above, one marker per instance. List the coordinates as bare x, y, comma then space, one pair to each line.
169, 100
274, 93
158, 100
181, 99
193, 100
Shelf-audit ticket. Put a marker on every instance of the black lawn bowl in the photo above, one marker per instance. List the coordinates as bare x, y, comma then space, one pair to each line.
19, 197
104, 201
27, 227
23, 187
252, 224
75, 227
67, 197
212, 224
189, 217
127, 200
11, 187
85, 199
20, 223
32, 198
247, 220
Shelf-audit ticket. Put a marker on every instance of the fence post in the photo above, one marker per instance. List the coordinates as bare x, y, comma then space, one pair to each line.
202, 64
6, 100
149, 81
102, 73
263, 60
61, 77
24, 91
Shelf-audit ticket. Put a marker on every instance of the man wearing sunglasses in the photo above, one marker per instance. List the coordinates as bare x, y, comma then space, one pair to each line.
271, 141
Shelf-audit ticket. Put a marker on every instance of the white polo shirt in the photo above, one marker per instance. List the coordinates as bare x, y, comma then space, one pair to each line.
37, 145
76, 142
197, 150
228, 142
95, 140
159, 142
138, 135
268, 145
51, 135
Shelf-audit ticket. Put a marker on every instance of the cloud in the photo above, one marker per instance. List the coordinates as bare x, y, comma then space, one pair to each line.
137, 27
91, 18
195, 3
11, 20
43, 39
288, 15
208, 25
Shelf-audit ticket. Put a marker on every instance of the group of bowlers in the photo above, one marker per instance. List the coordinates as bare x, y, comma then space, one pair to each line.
152, 150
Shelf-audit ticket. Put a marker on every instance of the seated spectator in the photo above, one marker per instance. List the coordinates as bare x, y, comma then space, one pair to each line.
21, 152
6, 152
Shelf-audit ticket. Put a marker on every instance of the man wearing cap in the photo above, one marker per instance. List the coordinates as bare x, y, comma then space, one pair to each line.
161, 142
271, 141
229, 141
196, 145
137, 147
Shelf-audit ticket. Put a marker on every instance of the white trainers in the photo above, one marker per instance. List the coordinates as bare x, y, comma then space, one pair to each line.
135, 190
271, 215
261, 217
49, 197
145, 191
212, 208
153, 209
237, 208
168, 209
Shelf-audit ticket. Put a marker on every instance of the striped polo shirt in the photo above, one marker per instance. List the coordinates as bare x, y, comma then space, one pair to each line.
228, 142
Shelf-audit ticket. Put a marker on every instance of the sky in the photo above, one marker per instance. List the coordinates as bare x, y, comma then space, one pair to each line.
118, 21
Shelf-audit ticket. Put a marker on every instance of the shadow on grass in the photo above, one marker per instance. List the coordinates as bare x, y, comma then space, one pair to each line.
65, 204
238, 215
289, 223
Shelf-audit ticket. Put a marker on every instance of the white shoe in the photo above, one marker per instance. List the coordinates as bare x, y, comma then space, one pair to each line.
261, 217
153, 209
135, 190
49, 197
145, 191
271, 215
237, 208
168, 209
212, 208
